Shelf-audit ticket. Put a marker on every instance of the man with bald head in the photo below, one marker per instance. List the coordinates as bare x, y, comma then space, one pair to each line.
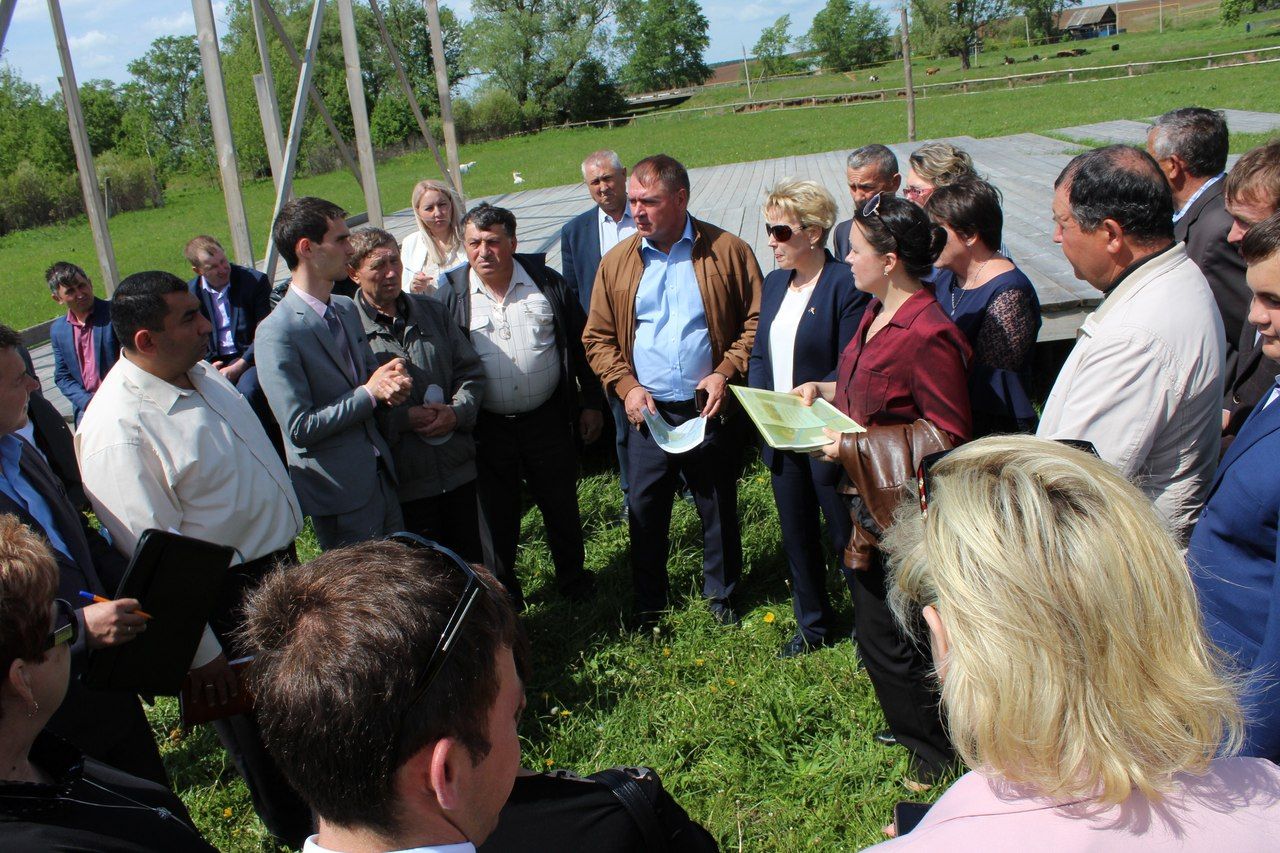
1144, 380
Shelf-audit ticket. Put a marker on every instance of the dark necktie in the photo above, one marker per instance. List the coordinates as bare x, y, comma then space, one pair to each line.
340, 338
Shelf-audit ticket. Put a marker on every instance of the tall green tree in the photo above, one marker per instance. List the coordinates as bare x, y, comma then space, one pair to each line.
170, 76
1042, 15
771, 48
530, 48
103, 110
849, 33
664, 42
952, 27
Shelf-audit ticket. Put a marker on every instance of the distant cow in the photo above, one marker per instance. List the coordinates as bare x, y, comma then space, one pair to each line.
1115, 47
1009, 60
874, 78
929, 72
1035, 57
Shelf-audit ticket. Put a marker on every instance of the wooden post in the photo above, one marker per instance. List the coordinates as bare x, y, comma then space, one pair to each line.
746, 69
359, 112
268, 105
411, 97
344, 150
84, 155
6, 16
906, 74
296, 120
223, 142
442, 88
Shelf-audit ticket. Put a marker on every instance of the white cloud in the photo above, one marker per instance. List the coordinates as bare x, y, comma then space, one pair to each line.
180, 22
91, 39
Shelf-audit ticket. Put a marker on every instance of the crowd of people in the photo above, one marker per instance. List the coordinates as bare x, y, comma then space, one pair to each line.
1076, 603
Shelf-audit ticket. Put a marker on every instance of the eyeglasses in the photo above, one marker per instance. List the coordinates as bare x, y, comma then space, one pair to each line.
473, 589
781, 233
914, 193
66, 628
924, 475
872, 207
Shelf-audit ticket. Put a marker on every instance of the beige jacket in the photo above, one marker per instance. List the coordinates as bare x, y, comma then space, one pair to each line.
729, 279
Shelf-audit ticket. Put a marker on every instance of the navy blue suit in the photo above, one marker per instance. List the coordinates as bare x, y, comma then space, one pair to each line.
249, 297
579, 259
802, 486
1233, 556
66, 367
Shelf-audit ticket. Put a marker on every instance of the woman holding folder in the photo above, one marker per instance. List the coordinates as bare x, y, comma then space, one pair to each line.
809, 310
907, 362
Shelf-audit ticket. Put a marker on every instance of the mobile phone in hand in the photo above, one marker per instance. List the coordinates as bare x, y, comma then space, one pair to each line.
907, 815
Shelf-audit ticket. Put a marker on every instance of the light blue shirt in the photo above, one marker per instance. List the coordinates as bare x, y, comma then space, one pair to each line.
1183, 212
16, 487
672, 348
221, 317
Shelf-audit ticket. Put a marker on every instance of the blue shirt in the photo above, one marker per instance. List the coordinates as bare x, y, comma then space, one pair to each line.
16, 487
672, 348
221, 319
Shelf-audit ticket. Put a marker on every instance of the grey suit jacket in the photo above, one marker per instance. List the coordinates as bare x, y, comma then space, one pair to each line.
1204, 229
329, 433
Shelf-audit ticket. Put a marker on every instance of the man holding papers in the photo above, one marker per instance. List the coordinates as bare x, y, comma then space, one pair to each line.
170, 444
672, 320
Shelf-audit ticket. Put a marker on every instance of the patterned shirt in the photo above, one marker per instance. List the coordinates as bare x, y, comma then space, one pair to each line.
516, 339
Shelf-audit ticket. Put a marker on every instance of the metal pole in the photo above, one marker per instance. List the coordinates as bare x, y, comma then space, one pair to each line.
410, 96
268, 105
746, 69
84, 155
442, 89
1161, 7
223, 142
359, 112
906, 74
296, 121
343, 149
6, 16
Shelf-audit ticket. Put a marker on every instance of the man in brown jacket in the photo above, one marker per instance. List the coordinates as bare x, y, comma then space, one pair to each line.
672, 320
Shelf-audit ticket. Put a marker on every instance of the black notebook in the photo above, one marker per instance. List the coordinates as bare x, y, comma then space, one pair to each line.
176, 579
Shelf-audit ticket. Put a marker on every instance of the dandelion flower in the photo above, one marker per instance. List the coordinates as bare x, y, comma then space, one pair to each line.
698, 661
769, 617
550, 763
666, 651
566, 712
714, 689
226, 812
732, 682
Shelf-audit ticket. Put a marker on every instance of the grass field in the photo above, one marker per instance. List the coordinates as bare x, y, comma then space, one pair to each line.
153, 239
768, 754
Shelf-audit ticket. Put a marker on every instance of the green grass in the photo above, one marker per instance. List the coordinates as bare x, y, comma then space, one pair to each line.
768, 754
153, 239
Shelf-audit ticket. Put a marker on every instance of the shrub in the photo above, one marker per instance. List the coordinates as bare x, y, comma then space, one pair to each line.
496, 113
30, 197
128, 183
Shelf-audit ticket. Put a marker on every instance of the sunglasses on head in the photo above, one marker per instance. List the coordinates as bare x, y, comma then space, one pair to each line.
66, 628
924, 471
781, 233
471, 591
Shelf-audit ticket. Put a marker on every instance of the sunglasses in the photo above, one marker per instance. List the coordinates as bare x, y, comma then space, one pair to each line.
66, 627
924, 471
781, 233
474, 588
872, 206
914, 193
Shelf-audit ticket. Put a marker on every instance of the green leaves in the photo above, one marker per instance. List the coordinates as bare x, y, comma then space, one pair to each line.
849, 33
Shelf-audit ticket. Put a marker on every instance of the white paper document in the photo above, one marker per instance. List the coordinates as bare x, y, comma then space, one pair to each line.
679, 439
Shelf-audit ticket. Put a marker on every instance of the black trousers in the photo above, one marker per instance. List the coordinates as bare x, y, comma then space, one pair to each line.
801, 491
902, 676
711, 472
450, 519
537, 448
282, 811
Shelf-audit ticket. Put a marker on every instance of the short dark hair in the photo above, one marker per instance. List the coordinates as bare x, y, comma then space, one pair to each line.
877, 155
1122, 183
484, 216
9, 338
901, 227
365, 240
1196, 135
61, 274
339, 644
303, 217
969, 206
1256, 175
1262, 240
139, 303
668, 171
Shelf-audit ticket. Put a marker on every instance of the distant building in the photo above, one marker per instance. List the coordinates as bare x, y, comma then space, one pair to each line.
1089, 22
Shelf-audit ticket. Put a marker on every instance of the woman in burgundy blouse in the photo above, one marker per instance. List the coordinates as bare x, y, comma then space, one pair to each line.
907, 361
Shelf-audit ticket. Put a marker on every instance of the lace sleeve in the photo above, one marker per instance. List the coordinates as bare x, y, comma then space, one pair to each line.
1007, 331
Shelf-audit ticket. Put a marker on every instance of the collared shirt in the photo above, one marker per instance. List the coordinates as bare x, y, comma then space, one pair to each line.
516, 341
614, 231
221, 318
1183, 210
673, 348
17, 488
1129, 270
86, 354
322, 309
196, 461
313, 846
393, 323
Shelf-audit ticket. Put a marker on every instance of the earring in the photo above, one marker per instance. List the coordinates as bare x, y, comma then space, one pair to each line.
36, 710
886, 272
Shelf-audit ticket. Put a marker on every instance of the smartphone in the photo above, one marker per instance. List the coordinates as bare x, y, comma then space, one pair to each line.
907, 815
700, 400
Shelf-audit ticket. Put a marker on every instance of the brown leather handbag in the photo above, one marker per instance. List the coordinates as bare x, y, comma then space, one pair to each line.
878, 463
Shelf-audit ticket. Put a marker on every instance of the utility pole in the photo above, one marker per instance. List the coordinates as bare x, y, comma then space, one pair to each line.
906, 77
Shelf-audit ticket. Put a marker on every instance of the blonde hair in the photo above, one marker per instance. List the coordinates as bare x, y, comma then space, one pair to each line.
455, 215
1078, 665
941, 163
806, 201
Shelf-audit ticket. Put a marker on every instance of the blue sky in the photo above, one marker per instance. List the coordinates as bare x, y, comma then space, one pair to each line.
106, 34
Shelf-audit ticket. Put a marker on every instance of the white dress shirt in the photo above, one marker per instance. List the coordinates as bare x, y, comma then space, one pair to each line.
782, 335
194, 461
516, 341
614, 231
1144, 384
312, 846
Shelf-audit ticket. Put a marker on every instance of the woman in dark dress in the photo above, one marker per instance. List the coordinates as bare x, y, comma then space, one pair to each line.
809, 310
992, 302
906, 362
